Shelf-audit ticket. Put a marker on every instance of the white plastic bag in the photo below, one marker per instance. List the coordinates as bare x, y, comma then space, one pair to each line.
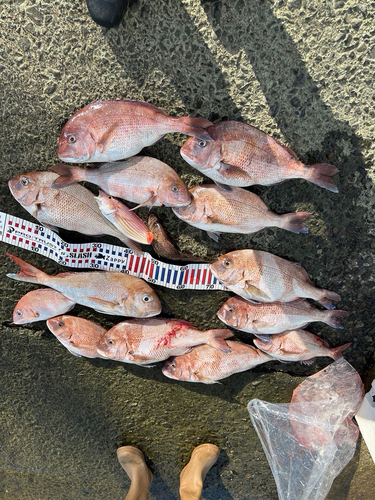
310, 440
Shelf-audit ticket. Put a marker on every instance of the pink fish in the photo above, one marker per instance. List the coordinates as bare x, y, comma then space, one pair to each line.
242, 155
236, 210
39, 305
124, 219
80, 336
116, 129
298, 345
207, 365
106, 292
142, 180
148, 341
264, 277
275, 317
73, 208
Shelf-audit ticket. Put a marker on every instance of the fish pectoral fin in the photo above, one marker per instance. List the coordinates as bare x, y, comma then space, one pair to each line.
224, 187
51, 227
137, 358
220, 345
264, 338
213, 235
107, 137
74, 353
308, 362
102, 304
255, 292
149, 202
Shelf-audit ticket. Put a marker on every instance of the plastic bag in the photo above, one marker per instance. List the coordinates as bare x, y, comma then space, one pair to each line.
310, 440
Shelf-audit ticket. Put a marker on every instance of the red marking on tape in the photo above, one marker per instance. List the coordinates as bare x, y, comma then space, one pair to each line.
23, 226
16, 224
147, 266
14, 237
94, 249
142, 265
198, 276
29, 229
10, 222
135, 268
192, 276
151, 271
21, 240
186, 274
131, 262
204, 276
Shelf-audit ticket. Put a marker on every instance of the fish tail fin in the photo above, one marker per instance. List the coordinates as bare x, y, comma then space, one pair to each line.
216, 339
194, 126
293, 222
333, 318
69, 174
28, 272
337, 351
321, 175
326, 297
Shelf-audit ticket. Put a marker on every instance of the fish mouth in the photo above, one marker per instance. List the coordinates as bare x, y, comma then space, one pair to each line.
72, 159
102, 353
189, 159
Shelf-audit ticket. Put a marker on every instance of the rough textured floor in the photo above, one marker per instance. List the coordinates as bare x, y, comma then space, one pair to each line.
302, 71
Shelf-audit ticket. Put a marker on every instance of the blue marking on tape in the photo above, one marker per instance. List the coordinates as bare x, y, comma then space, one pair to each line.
156, 272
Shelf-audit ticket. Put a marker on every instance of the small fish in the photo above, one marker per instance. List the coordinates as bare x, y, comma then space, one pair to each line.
298, 345
144, 342
263, 277
242, 155
275, 317
39, 305
142, 180
163, 245
112, 293
112, 130
217, 210
80, 336
207, 365
126, 221
73, 208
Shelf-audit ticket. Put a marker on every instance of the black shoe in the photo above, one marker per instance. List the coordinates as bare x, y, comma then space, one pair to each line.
107, 13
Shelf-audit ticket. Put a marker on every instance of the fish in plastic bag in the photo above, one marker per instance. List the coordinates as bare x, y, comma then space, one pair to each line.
309, 441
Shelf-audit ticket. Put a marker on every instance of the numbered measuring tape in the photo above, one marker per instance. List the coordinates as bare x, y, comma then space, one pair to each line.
37, 238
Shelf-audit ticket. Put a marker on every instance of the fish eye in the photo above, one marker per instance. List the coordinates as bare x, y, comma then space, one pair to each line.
71, 139
227, 262
25, 181
202, 144
109, 341
174, 188
230, 308
173, 363
19, 312
146, 298
60, 323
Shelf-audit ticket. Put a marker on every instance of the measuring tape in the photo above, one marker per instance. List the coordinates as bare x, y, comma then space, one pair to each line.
40, 239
